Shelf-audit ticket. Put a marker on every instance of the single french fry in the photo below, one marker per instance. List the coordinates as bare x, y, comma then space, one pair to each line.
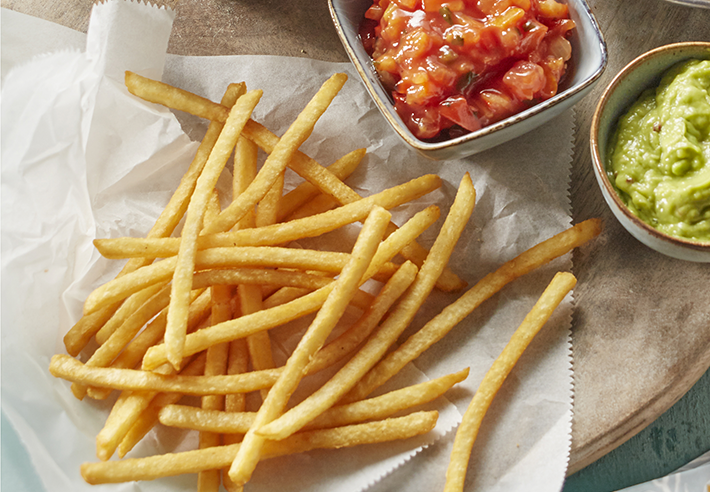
171, 464
333, 308
77, 337
212, 209
245, 169
167, 95
466, 434
176, 327
342, 169
249, 295
317, 205
454, 313
217, 358
375, 348
303, 165
66, 367
380, 407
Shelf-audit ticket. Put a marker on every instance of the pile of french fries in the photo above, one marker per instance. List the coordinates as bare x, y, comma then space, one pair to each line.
191, 310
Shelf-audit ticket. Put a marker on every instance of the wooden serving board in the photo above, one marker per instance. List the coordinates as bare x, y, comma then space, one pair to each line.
641, 330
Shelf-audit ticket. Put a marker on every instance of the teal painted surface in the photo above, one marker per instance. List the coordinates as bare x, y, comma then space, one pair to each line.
18, 474
678, 436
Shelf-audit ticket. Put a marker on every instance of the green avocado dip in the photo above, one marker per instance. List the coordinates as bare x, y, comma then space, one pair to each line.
660, 155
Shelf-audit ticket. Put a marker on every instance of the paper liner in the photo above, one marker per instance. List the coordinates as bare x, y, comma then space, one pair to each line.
96, 162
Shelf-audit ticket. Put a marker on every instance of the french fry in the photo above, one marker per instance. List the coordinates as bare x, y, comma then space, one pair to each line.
466, 434
171, 464
66, 367
176, 327
374, 349
455, 312
217, 358
333, 308
249, 295
278, 233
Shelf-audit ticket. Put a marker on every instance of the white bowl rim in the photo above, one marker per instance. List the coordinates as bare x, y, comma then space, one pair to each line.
598, 160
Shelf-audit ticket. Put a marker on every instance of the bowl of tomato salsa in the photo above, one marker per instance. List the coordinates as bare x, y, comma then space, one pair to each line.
457, 77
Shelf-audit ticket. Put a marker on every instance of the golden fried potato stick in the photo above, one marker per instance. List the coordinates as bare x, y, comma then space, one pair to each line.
79, 335
466, 434
249, 295
66, 367
380, 407
455, 312
307, 168
239, 256
333, 308
176, 327
127, 410
399, 319
304, 192
278, 233
318, 205
217, 358
171, 464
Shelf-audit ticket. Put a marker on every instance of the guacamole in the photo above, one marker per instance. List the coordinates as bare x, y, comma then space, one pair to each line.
660, 155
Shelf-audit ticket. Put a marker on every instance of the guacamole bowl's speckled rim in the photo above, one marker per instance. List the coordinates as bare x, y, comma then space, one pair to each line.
642, 73
589, 59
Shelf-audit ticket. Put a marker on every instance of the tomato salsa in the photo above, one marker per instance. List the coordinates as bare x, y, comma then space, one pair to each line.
456, 66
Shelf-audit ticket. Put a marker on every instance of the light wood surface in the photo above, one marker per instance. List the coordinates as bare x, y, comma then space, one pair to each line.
641, 330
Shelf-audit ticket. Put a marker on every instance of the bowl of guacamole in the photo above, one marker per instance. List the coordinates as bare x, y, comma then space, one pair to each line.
650, 143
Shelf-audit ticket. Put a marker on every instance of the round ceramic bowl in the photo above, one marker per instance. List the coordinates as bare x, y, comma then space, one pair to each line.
642, 73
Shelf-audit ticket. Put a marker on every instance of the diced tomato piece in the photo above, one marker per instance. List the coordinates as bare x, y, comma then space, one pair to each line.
525, 80
552, 9
406, 4
457, 110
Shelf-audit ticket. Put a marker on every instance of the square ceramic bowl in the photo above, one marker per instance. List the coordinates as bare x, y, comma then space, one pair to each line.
642, 73
589, 58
